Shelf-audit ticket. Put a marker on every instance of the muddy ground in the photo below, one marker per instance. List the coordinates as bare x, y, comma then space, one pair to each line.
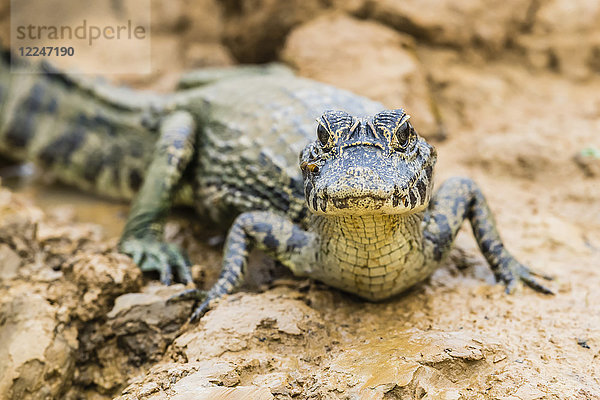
509, 94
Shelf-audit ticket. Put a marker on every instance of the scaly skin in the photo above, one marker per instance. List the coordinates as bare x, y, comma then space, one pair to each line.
361, 219
375, 229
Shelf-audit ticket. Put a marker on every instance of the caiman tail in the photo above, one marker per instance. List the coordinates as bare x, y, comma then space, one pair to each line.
89, 135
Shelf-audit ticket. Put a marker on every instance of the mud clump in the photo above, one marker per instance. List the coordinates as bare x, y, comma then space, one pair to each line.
274, 341
59, 282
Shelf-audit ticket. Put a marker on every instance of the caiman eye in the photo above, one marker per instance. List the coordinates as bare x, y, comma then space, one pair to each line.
322, 134
403, 135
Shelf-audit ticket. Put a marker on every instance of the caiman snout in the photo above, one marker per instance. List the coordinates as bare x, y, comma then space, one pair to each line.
359, 182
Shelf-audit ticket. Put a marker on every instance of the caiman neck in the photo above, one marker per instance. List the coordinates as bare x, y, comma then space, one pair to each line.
371, 228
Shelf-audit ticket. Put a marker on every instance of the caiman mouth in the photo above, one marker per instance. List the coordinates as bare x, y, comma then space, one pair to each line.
363, 204
360, 202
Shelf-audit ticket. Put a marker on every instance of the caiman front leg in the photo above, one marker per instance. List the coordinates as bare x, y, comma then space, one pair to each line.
459, 199
277, 236
142, 237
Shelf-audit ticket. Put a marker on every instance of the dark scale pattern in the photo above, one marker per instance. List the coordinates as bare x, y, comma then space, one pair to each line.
20, 133
55, 119
34, 105
93, 166
62, 148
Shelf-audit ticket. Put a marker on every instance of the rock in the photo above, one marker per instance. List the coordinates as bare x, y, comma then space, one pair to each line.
18, 224
272, 344
464, 24
565, 37
366, 58
101, 278
127, 340
58, 283
196, 380
234, 349
9, 262
247, 316
567, 16
201, 55
203, 21
194, 392
255, 31
184, 36
36, 349
412, 363
202, 36
172, 15
144, 323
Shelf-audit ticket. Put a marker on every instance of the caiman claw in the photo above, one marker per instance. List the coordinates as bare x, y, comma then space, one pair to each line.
153, 255
193, 294
512, 272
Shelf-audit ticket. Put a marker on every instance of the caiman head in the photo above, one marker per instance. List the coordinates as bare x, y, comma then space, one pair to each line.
376, 165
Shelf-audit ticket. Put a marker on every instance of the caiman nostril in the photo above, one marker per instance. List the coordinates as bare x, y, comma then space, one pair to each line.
361, 171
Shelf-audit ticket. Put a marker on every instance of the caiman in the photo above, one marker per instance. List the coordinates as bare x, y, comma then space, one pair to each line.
358, 212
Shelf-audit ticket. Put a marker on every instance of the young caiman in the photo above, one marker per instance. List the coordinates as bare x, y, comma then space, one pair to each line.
361, 217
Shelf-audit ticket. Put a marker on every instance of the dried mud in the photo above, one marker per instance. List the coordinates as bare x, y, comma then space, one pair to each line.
504, 103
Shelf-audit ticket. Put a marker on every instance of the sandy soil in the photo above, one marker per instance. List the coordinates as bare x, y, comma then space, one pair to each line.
510, 96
